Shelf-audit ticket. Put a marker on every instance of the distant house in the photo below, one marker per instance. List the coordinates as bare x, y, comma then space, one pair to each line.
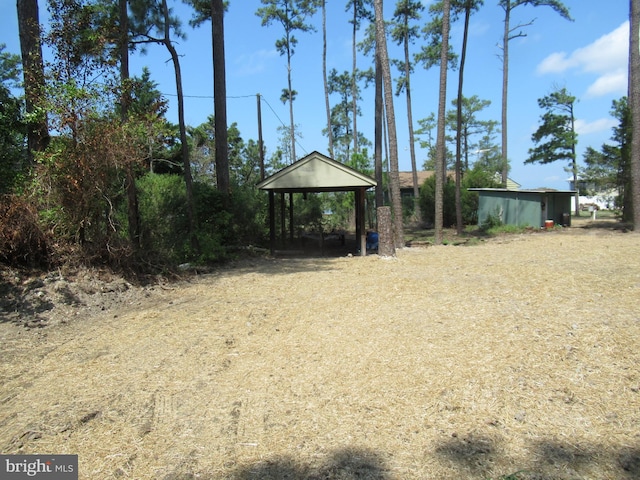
525, 207
406, 180
511, 184
593, 195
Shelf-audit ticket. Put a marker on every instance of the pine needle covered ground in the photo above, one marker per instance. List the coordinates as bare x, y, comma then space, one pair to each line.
519, 354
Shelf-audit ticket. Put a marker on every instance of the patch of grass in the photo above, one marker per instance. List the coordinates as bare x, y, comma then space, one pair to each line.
507, 229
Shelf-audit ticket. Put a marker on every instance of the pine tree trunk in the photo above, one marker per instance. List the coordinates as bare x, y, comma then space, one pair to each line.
133, 210
634, 97
354, 85
33, 70
463, 56
220, 99
378, 133
394, 177
386, 246
324, 77
505, 89
440, 170
412, 146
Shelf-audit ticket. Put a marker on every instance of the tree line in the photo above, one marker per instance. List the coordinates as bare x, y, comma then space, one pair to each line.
92, 168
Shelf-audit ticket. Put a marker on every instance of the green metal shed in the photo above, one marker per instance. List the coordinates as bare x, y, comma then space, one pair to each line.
525, 207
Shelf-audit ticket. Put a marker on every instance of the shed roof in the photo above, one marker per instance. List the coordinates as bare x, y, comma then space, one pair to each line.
406, 178
316, 173
517, 190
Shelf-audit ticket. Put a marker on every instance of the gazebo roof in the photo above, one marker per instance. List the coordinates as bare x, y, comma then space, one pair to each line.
316, 173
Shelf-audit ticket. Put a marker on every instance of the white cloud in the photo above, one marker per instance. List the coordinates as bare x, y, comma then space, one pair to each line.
597, 126
607, 57
555, 63
612, 82
255, 62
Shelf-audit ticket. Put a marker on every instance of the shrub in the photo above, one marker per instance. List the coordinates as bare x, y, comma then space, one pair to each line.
473, 178
492, 221
428, 202
163, 216
22, 241
165, 223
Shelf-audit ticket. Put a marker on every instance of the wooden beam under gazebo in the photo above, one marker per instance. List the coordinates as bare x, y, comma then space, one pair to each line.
318, 173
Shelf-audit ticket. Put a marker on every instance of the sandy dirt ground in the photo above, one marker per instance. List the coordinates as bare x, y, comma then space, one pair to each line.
518, 356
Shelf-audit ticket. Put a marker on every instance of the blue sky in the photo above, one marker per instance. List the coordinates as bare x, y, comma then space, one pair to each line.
587, 56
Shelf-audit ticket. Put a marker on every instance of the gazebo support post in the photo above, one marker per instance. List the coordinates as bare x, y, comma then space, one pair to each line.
361, 237
291, 217
283, 228
272, 222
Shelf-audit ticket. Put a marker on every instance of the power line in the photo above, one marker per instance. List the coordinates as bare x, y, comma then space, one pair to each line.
211, 97
282, 123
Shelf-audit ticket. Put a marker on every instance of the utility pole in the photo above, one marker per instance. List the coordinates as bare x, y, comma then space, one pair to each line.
260, 138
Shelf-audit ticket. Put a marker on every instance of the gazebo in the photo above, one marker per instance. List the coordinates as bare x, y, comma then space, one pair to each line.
312, 174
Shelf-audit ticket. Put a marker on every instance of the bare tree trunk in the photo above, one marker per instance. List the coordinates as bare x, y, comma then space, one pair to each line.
378, 133
133, 211
574, 164
412, 146
290, 93
33, 70
293, 133
505, 89
324, 77
220, 99
440, 170
188, 179
463, 56
354, 84
634, 97
394, 177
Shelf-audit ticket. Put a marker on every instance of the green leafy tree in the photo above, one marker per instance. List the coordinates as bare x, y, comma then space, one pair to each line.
341, 125
13, 158
202, 140
609, 168
74, 179
342, 113
556, 137
476, 177
292, 16
488, 155
80, 175
511, 32
430, 51
465, 126
426, 140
